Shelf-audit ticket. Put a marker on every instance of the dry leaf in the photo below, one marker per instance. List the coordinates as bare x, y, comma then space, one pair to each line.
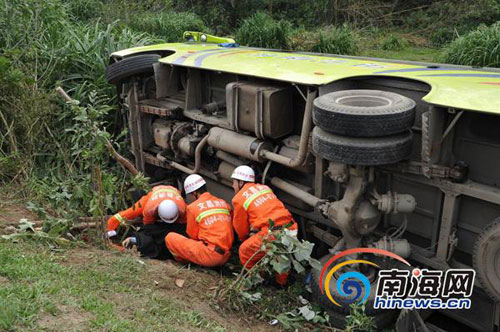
179, 282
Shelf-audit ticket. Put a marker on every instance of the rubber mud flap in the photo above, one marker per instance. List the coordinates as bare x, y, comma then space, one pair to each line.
139, 64
362, 151
364, 113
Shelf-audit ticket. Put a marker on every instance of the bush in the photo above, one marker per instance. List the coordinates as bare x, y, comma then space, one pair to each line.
480, 47
442, 36
393, 43
336, 41
261, 30
85, 10
169, 26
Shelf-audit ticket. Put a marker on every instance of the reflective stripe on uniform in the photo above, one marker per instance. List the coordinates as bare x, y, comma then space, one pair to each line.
120, 218
166, 190
211, 212
254, 196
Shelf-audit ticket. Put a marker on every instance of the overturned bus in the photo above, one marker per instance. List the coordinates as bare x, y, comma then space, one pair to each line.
396, 155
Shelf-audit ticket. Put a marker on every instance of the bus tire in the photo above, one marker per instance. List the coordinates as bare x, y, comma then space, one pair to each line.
364, 113
362, 151
140, 64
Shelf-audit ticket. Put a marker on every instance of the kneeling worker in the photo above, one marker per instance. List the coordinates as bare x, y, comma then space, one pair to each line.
162, 211
254, 205
208, 226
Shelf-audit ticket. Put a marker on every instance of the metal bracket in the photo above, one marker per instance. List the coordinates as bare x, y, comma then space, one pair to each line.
259, 109
448, 218
430, 171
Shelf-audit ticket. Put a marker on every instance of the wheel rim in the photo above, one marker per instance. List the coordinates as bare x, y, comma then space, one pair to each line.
363, 101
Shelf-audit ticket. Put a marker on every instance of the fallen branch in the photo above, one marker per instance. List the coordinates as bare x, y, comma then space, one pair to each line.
93, 224
118, 157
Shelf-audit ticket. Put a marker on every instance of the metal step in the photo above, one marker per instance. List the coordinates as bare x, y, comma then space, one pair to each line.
164, 106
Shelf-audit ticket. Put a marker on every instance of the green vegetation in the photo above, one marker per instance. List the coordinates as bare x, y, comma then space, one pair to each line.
55, 152
393, 43
336, 41
70, 291
480, 47
167, 26
261, 30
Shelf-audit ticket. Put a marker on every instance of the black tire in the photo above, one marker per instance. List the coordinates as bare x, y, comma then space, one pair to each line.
486, 258
362, 151
121, 70
382, 317
364, 113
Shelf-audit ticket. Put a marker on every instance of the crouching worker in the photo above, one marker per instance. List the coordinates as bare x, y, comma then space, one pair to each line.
208, 227
254, 205
163, 210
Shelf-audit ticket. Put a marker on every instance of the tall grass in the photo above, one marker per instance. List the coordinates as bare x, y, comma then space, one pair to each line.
167, 26
261, 30
480, 47
49, 150
336, 41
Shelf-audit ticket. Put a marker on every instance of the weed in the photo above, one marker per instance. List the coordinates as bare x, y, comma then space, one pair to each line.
282, 254
261, 30
357, 320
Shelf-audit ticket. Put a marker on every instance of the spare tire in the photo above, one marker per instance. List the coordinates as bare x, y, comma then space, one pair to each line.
486, 259
135, 65
362, 151
364, 113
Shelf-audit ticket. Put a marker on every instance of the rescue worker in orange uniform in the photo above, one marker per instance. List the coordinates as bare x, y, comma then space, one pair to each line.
208, 227
254, 205
163, 210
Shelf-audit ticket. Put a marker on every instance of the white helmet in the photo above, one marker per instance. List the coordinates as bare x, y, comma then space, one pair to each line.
168, 211
243, 173
193, 183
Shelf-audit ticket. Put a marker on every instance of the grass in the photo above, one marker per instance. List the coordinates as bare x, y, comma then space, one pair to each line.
411, 53
83, 289
480, 47
261, 30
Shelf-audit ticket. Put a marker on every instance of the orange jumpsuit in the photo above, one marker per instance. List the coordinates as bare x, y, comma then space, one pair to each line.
210, 232
253, 206
147, 207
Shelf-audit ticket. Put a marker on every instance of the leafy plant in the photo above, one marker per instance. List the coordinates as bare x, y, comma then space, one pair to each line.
261, 30
27, 230
283, 253
357, 320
